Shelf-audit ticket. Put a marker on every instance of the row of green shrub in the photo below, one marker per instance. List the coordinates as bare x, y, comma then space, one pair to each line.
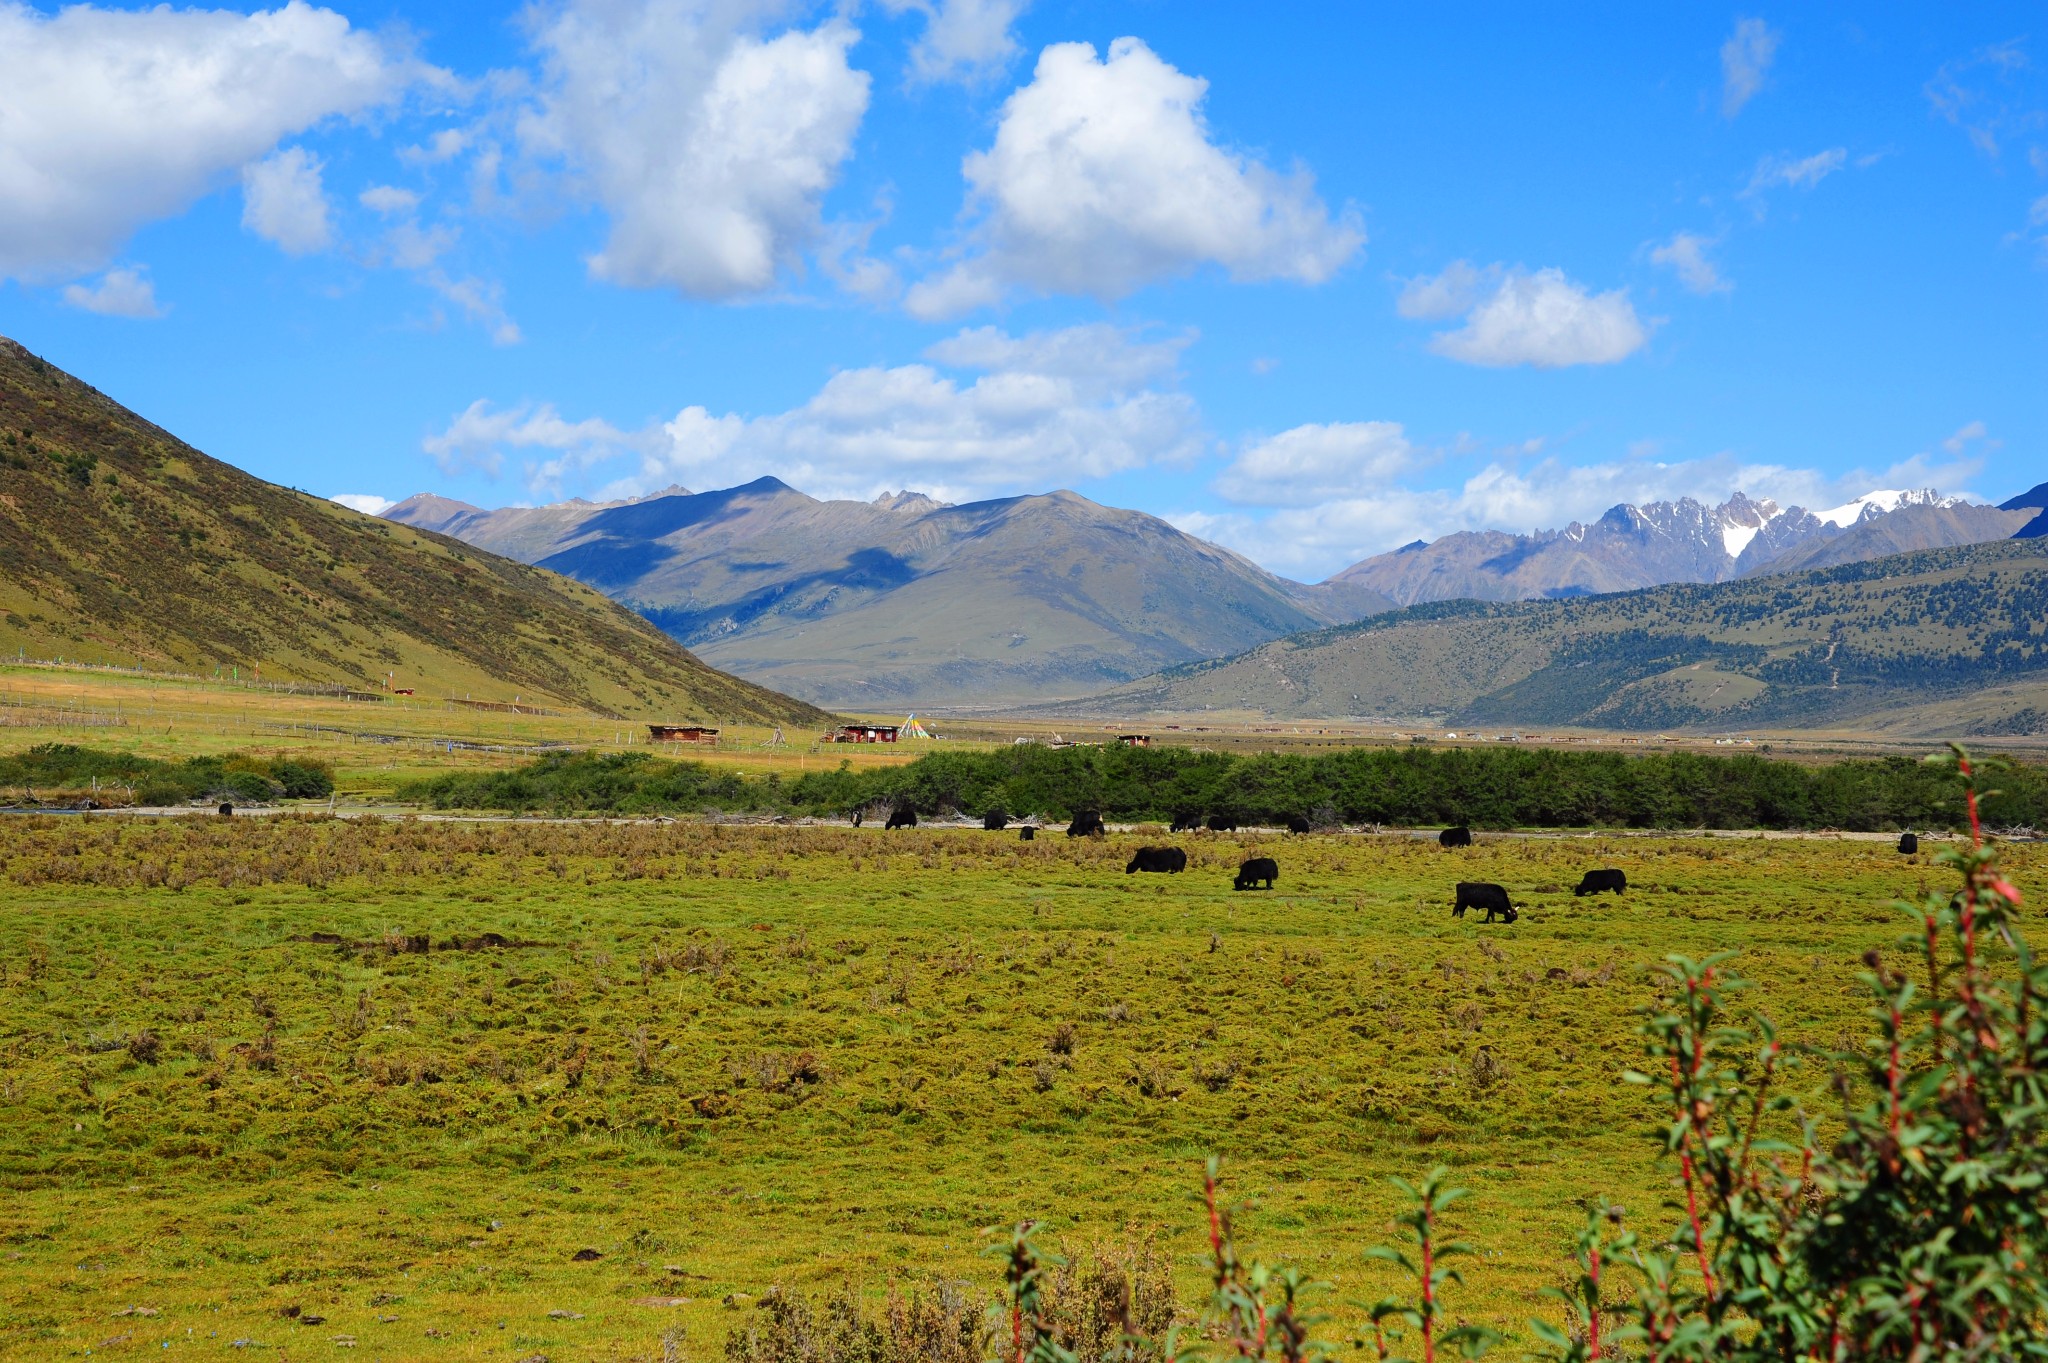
1487, 788
64, 771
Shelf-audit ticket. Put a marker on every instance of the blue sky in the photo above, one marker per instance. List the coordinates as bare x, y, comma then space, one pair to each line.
1310, 280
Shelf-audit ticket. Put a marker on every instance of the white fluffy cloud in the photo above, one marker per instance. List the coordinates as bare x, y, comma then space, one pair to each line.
1104, 177
369, 503
124, 292
1987, 95
1041, 411
1686, 253
1453, 292
285, 203
1522, 317
1795, 172
708, 145
115, 118
388, 200
1316, 463
478, 438
1097, 358
480, 301
1745, 60
963, 40
1969, 433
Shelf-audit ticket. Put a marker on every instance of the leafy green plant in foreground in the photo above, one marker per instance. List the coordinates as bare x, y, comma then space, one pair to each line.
1422, 1223
1918, 1235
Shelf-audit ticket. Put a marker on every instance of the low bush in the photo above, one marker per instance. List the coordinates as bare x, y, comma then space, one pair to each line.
62, 772
1491, 788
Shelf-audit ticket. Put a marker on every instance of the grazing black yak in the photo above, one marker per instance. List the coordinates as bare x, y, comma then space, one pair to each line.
1297, 824
1222, 823
1599, 882
1086, 826
1460, 836
1162, 859
995, 821
1478, 894
903, 816
1255, 870
1026, 833
1909, 844
1185, 823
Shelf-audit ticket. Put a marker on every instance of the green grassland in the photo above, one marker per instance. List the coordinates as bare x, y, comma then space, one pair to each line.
730, 1057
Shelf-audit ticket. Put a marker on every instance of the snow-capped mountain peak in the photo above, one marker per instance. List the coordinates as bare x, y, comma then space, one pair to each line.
1741, 518
1684, 540
1883, 502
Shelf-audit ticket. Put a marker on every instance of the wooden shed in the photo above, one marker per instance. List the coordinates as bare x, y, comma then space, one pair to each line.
865, 733
681, 733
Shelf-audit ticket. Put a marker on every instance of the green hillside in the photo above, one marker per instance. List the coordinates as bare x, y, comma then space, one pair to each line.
121, 544
1945, 641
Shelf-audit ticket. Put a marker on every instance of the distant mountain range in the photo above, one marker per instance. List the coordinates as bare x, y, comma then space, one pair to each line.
905, 601
119, 543
1937, 643
1683, 541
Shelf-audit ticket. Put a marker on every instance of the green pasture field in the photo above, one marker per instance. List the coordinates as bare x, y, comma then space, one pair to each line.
730, 1057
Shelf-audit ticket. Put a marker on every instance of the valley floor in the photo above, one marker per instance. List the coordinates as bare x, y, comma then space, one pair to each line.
724, 1058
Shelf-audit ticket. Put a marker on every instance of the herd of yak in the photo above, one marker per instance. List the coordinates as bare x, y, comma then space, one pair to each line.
1259, 873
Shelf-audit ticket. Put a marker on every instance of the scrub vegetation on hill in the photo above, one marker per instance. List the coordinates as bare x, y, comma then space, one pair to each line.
1955, 637
119, 543
1493, 787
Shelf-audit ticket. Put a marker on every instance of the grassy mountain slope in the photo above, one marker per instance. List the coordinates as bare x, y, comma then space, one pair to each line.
119, 543
905, 602
1954, 635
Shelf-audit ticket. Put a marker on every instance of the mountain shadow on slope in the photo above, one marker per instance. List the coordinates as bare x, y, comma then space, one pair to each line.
865, 570
2035, 499
907, 601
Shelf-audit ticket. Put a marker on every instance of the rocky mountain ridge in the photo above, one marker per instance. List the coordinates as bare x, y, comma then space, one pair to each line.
1631, 547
